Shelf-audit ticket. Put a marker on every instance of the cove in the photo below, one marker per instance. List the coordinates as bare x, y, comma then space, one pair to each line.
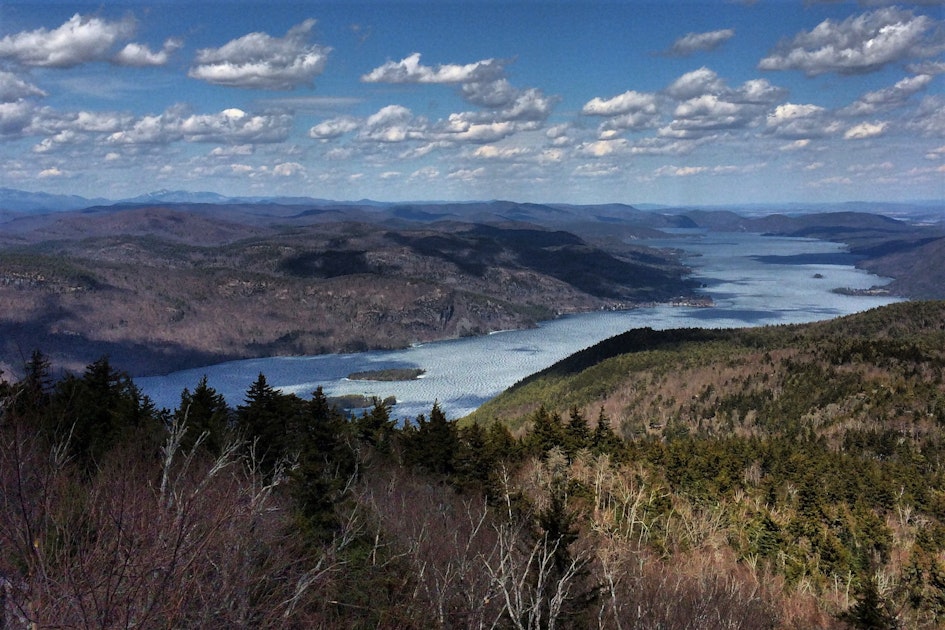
754, 280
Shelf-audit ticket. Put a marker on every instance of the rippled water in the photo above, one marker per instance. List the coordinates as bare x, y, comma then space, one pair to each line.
754, 280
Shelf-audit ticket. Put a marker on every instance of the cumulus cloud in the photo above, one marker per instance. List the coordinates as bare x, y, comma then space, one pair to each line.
862, 43
229, 126
505, 108
695, 83
52, 172
493, 152
712, 106
865, 130
258, 60
288, 169
13, 88
888, 98
628, 102
333, 128
79, 40
410, 70
15, 117
801, 121
700, 42
232, 151
393, 123
140, 56
706, 113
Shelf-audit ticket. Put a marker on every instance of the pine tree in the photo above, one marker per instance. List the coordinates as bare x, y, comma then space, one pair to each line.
265, 421
326, 462
577, 433
434, 444
98, 410
205, 411
605, 440
870, 611
547, 431
376, 427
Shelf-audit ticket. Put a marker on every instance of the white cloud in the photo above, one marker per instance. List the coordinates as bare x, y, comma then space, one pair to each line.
630, 101
258, 60
333, 128
758, 92
796, 145
391, 124
229, 126
79, 40
288, 169
862, 43
889, 98
467, 174
700, 42
15, 117
410, 70
696, 83
140, 56
602, 148
51, 172
481, 83
425, 173
679, 171
235, 125
231, 151
491, 151
707, 114
801, 121
865, 130
596, 170
13, 88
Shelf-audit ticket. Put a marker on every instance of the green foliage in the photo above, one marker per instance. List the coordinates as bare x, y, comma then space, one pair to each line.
434, 443
326, 464
207, 418
267, 420
870, 612
95, 412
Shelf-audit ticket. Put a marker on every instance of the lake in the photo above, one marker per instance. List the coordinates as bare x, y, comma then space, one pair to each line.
754, 280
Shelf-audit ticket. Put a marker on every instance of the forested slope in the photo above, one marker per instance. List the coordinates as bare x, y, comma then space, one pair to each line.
782, 477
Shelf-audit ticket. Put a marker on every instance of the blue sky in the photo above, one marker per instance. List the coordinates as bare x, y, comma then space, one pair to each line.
707, 102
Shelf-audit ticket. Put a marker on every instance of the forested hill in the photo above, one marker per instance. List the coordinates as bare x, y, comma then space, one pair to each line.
688, 374
789, 477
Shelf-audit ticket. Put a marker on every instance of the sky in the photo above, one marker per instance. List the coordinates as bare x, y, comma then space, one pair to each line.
648, 101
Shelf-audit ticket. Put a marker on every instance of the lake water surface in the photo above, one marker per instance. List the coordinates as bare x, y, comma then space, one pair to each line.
754, 280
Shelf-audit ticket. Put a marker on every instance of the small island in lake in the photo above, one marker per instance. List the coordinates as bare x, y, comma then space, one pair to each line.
392, 374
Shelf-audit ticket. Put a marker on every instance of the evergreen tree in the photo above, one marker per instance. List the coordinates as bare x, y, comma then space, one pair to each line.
434, 444
547, 431
29, 397
205, 411
266, 419
605, 440
98, 410
376, 427
577, 433
326, 462
870, 611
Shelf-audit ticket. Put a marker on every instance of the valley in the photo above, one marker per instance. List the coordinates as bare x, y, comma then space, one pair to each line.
161, 287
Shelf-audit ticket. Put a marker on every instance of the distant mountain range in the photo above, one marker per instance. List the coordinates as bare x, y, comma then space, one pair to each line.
13, 200
17, 201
